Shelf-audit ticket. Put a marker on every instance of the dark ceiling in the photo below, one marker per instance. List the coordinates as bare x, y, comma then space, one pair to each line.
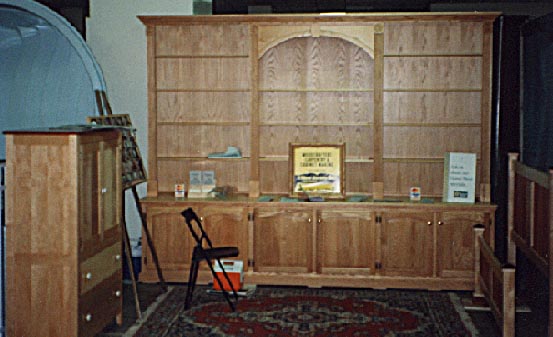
318, 6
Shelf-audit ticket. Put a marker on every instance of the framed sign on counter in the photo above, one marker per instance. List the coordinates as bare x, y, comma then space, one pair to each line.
317, 169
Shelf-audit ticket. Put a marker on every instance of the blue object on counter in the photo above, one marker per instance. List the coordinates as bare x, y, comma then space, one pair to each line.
357, 198
232, 152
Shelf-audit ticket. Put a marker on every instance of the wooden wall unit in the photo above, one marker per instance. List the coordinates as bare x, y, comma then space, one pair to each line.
399, 90
63, 230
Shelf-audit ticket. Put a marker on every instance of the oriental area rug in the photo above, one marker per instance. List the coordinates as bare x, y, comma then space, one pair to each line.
295, 311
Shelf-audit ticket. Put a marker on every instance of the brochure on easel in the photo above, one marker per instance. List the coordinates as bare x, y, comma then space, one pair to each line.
459, 177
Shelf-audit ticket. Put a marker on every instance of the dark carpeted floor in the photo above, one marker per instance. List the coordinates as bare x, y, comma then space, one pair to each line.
528, 323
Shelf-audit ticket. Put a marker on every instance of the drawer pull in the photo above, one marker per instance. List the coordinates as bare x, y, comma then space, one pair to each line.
88, 276
88, 317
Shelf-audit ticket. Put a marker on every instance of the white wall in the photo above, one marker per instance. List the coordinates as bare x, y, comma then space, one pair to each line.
118, 40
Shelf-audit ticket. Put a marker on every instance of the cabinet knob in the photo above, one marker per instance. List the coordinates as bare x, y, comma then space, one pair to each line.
309, 220
118, 293
319, 220
429, 223
201, 219
104, 190
117, 257
88, 276
440, 223
88, 317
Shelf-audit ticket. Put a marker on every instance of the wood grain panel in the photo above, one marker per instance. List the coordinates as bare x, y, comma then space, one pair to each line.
345, 241
274, 247
456, 243
200, 140
270, 36
433, 38
273, 176
44, 308
432, 107
171, 239
198, 73
400, 176
226, 226
401, 254
429, 142
198, 40
432, 73
38, 165
152, 111
203, 107
233, 172
316, 63
275, 139
316, 107
359, 178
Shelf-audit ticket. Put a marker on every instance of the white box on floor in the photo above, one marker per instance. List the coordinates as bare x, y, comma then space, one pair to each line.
235, 272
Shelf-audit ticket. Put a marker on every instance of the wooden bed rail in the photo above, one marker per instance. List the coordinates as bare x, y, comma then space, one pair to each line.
530, 218
495, 282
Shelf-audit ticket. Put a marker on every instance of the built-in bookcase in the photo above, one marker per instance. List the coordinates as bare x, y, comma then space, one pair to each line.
399, 90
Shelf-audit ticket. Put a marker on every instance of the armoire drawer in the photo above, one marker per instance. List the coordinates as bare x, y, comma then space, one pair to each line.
98, 306
100, 267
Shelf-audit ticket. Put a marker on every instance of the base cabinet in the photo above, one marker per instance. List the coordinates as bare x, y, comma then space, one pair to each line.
345, 242
172, 243
399, 245
455, 242
226, 226
283, 240
406, 244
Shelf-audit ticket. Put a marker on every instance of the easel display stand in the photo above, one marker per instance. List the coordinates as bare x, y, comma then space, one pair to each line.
133, 173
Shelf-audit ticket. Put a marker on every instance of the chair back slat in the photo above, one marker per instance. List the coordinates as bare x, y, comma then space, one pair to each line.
199, 235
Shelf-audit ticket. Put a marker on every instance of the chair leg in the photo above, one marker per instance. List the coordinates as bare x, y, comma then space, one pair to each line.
218, 279
192, 277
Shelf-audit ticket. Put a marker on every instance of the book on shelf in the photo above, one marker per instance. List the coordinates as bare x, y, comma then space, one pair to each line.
459, 177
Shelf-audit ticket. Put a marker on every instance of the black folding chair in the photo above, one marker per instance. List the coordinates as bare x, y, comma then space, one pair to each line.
204, 251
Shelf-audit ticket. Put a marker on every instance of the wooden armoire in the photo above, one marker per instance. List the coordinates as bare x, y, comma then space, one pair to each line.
63, 231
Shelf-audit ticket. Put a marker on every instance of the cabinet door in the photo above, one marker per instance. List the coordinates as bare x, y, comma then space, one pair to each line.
345, 242
109, 174
99, 193
455, 242
226, 226
172, 242
406, 244
283, 240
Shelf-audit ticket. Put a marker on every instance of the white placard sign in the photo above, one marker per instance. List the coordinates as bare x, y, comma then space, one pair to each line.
459, 177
